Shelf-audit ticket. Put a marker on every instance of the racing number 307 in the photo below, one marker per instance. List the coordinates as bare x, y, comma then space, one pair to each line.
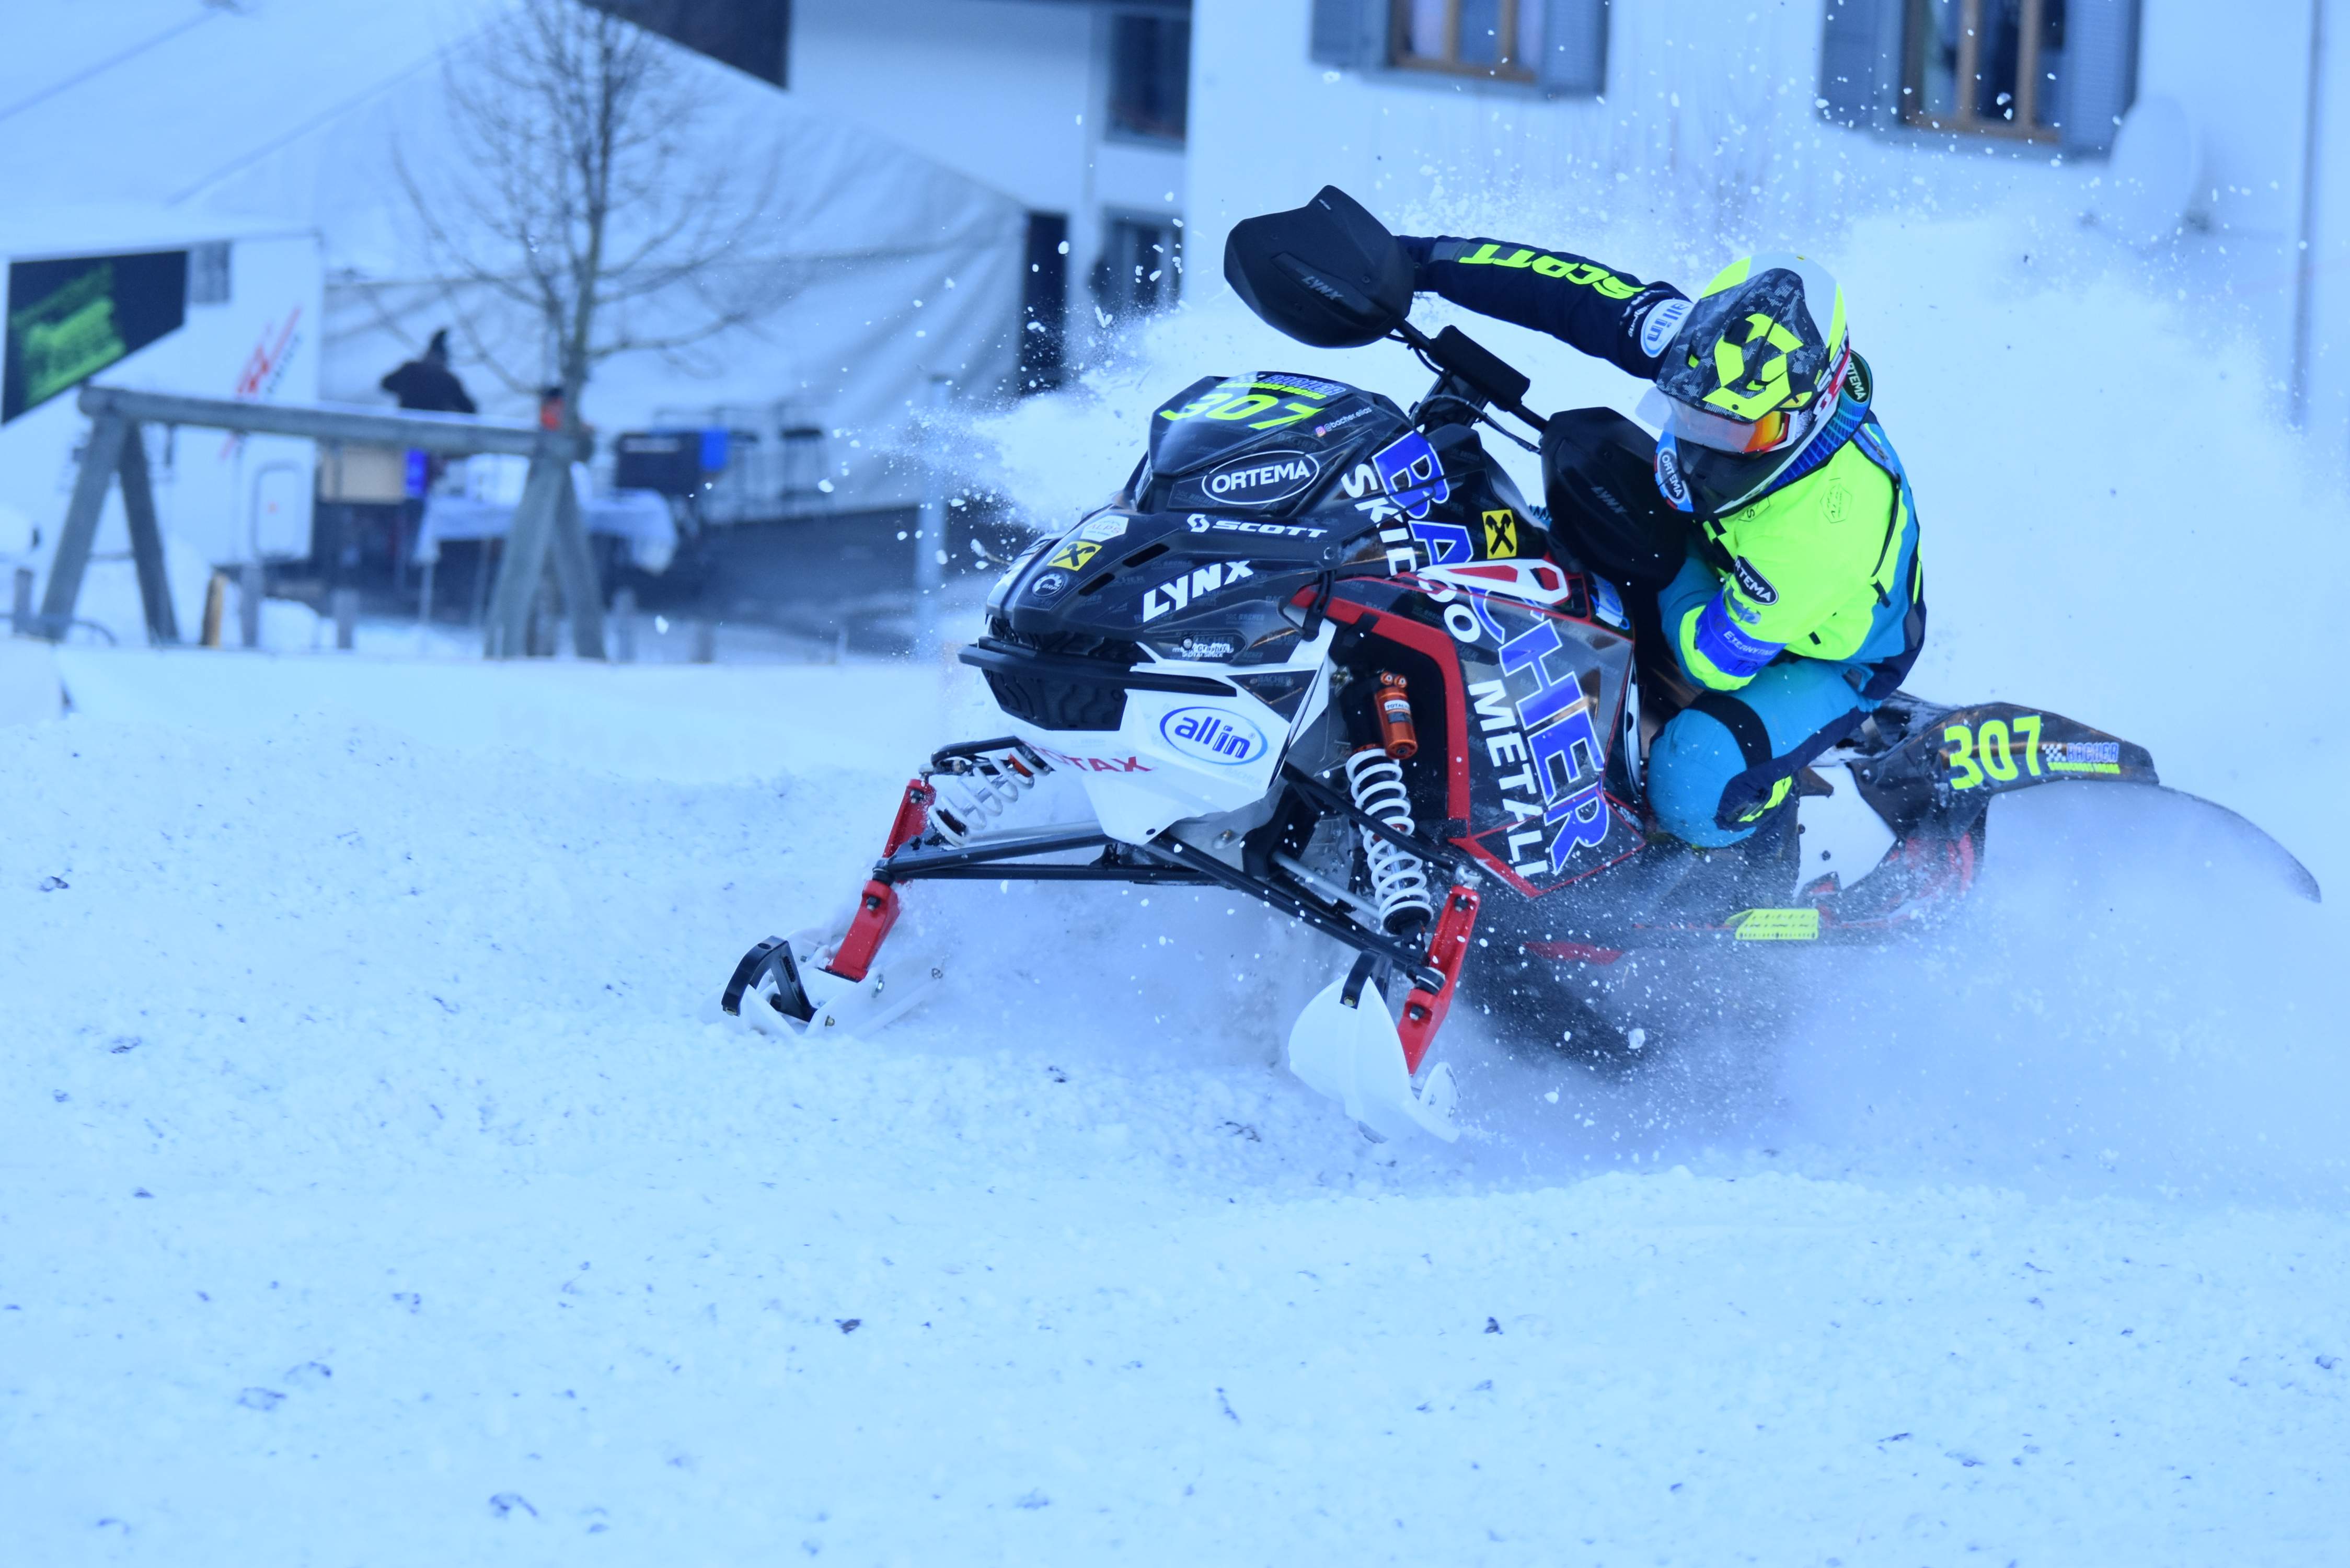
1988, 750
1239, 406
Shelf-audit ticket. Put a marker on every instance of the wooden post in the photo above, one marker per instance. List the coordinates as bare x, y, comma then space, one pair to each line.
624, 626
505, 631
574, 571
100, 456
146, 538
215, 607
250, 586
546, 528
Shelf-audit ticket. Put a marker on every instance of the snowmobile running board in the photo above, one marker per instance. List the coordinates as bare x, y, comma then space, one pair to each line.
1176, 864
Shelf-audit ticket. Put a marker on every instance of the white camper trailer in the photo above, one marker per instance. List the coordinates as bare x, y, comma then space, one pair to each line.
156, 301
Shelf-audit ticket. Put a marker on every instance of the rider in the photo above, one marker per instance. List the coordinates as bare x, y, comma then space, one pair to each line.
1797, 606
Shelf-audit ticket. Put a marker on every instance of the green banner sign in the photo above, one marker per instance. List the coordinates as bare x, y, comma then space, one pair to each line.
70, 318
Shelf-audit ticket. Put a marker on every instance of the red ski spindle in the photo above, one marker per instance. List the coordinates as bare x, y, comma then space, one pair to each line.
877, 906
877, 911
1448, 949
913, 818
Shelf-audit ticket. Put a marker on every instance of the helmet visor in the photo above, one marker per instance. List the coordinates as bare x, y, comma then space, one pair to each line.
1719, 431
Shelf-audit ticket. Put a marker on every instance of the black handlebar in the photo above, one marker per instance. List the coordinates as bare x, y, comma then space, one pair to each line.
1456, 353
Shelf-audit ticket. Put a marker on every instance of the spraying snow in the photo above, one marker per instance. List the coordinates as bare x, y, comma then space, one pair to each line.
381, 1170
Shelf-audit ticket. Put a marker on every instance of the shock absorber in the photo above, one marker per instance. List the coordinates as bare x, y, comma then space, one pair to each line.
977, 796
1398, 878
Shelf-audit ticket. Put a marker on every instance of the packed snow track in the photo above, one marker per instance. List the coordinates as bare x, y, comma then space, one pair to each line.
383, 1185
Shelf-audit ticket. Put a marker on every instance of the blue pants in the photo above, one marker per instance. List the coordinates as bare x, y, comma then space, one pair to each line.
1720, 760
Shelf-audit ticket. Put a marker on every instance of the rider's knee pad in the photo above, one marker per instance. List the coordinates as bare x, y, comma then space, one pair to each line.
1692, 763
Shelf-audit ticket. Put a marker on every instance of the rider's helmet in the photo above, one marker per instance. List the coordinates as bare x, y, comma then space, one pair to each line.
1758, 364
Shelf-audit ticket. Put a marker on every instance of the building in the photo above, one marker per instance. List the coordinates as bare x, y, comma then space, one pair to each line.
2219, 137
1078, 109
882, 270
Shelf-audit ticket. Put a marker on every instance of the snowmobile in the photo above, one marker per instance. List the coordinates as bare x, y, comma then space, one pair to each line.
1319, 650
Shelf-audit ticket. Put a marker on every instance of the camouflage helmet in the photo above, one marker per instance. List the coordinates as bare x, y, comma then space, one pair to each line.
1766, 337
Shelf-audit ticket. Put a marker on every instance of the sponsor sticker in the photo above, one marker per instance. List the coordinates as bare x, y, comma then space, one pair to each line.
1261, 479
1097, 764
1282, 530
1342, 421
1213, 735
1500, 534
1192, 587
1447, 544
1049, 586
1073, 556
1412, 472
1777, 926
1305, 385
1664, 319
1608, 605
1102, 529
1671, 485
1755, 584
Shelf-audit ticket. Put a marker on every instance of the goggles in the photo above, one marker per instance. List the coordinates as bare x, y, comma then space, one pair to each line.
1741, 437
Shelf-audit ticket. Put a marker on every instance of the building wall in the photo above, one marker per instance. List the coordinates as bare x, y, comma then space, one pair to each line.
1709, 133
1012, 93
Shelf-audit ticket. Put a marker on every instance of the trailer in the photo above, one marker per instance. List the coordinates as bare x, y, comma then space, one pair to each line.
157, 303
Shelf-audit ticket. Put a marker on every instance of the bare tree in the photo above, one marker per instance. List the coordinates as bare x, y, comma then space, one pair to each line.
573, 197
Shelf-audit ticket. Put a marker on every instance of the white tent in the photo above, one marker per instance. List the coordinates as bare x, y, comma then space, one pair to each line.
885, 270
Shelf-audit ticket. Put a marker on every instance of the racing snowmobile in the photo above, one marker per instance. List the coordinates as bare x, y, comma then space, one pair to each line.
1320, 651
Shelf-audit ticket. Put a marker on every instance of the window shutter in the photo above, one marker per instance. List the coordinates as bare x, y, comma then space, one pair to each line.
2100, 71
1350, 33
1575, 47
1860, 63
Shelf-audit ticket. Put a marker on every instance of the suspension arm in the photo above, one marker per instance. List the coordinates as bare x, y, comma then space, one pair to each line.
1407, 957
1332, 803
916, 860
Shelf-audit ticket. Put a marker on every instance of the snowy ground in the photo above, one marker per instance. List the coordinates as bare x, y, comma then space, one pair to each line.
379, 1187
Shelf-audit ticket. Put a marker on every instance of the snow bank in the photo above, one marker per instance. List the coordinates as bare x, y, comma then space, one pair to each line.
378, 1173
381, 1170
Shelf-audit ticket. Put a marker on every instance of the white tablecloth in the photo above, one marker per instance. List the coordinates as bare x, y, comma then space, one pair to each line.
640, 516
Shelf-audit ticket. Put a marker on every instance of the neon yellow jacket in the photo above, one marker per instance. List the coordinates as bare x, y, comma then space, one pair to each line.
1823, 568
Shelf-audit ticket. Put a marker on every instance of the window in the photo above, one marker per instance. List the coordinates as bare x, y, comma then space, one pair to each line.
752, 36
1992, 66
1149, 77
1558, 48
1044, 303
1141, 265
2059, 71
1497, 38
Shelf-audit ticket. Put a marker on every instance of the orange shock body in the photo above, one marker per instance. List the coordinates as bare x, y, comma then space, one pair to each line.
1396, 736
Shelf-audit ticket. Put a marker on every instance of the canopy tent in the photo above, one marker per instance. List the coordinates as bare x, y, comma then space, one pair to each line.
872, 270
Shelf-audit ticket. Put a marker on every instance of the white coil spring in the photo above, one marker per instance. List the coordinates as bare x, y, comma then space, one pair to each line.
969, 801
1398, 880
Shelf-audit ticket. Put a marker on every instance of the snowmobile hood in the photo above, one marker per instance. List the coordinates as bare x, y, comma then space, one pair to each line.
1189, 584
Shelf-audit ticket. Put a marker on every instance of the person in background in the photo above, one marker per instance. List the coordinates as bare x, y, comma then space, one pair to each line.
426, 385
